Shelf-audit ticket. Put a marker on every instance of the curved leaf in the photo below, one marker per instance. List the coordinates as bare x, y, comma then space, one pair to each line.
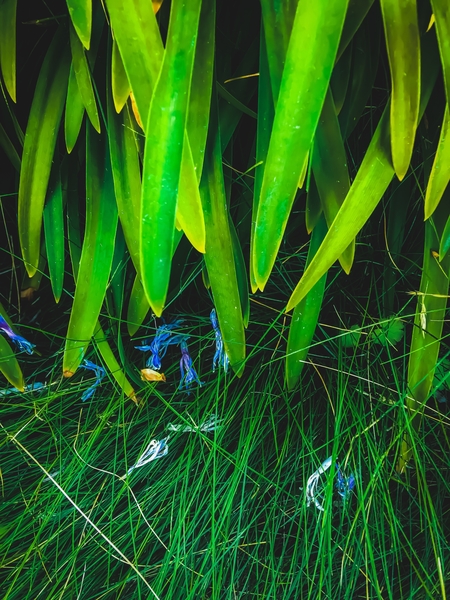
440, 171
54, 231
81, 14
40, 139
9, 365
120, 86
8, 10
403, 46
302, 94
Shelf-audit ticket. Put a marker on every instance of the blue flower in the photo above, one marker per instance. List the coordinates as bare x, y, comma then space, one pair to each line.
158, 347
220, 356
99, 374
20, 341
344, 485
186, 365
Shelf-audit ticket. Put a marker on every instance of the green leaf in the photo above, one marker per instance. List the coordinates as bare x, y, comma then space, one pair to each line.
9, 365
351, 338
440, 171
305, 316
8, 10
428, 324
390, 332
356, 13
403, 46
120, 85
40, 139
313, 206
165, 134
371, 181
74, 113
329, 165
96, 255
241, 273
340, 78
83, 75
81, 14
302, 93
442, 18
9, 149
54, 231
219, 256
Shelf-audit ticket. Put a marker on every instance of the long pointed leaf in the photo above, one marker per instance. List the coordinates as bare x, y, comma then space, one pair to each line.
54, 231
440, 171
8, 10
40, 139
97, 253
403, 47
165, 133
81, 14
9, 365
315, 37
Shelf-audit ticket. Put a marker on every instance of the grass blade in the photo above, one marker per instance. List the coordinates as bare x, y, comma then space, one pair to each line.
40, 139
302, 94
165, 133
96, 255
403, 46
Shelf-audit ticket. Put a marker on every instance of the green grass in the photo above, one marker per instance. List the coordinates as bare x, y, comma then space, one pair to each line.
223, 514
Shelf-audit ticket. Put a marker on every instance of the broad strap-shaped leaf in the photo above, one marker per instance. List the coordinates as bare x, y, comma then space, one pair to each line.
329, 165
313, 206
201, 88
440, 171
165, 132
305, 316
9, 365
120, 85
428, 324
83, 76
403, 46
441, 11
81, 14
219, 257
74, 113
127, 176
40, 139
54, 231
340, 78
315, 37
371, 181
97, 252
356, 13
8, 10
278, 19
137, 35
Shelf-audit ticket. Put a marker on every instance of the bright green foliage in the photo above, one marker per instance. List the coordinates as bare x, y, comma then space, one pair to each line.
8, 9
81, 14
54, 231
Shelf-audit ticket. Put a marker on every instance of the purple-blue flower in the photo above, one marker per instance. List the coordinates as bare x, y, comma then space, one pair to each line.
99, 374
188, 373
158, 346
20, 341
220, 356
344, 485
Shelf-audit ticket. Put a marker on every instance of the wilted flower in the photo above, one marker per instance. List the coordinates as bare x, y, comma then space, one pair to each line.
211, 424
220, 356
186, 365
151, 375
158, 346
156, 449
311, 485
99, 374
20, 341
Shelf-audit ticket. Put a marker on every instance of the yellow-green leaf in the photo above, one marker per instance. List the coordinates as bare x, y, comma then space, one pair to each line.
120, 85
81, 69
40, 139
9, 365
8, 10
315, 37
441, 11
74, 113
81, 14
97, 252
403, 46
54, 231
165, 132
440, 171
